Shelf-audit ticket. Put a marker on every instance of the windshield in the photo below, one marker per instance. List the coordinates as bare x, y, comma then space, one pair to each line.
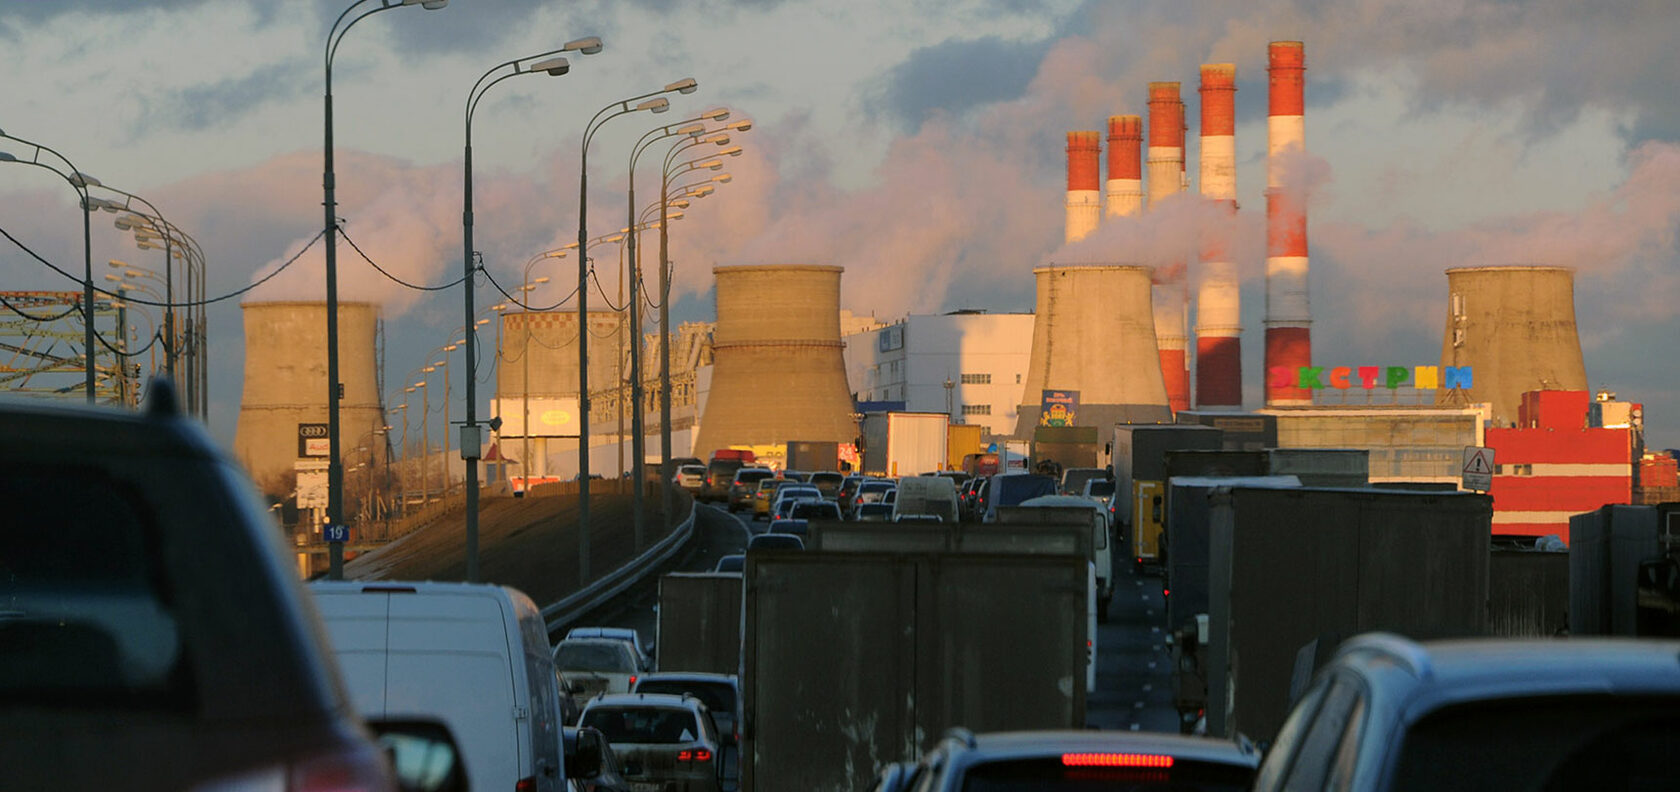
643, 724
604, 657
1101, 488
716, 696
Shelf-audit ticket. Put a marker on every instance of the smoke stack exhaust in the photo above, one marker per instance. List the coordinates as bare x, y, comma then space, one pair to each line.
1083, 196
1218, 301
1288, 317
1166, 178
1125, 165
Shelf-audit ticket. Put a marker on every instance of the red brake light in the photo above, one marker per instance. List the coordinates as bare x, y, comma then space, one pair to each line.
354, 768
525, 785
685, 756
632, 680
702, 755
1115, 760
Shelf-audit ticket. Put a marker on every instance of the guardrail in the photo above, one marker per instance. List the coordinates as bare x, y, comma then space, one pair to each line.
561, 614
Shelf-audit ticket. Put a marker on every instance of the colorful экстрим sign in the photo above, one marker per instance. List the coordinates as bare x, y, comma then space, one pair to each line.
1369, 377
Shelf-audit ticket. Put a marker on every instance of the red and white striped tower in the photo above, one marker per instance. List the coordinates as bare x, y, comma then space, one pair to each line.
1288, 317
1166, 178
1125, 165
1218, 300
1083, 190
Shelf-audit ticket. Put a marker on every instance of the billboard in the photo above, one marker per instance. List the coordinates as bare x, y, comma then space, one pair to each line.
313, 440
551, 416
1058, 407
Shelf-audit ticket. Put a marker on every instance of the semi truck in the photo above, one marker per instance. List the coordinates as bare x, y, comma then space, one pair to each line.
699, 622
1624, 571
904, 443
920, 643
1292, 572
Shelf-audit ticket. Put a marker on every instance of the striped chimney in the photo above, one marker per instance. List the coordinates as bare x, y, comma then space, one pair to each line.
1166, 178
1125, 165
1083, 196
1288, 317
1218, 301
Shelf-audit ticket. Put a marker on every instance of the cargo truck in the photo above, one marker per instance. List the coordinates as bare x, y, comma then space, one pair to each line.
699, 622
961, 440
855, 660
904, 443
1294, 571
1066, 446
812, 456
1139, 461
1624, 571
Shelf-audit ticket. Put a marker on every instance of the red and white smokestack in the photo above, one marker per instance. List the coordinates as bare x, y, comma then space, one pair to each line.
1125, 165
1083, 196
1218, 300
1166, 178
1288, 318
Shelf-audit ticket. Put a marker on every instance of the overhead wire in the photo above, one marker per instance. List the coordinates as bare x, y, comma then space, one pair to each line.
394, 279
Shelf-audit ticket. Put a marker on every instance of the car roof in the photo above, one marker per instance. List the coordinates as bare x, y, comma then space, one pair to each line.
1074, 501
38, 427
1026, 744
689, 676
666, 700
1457, 671
599, 640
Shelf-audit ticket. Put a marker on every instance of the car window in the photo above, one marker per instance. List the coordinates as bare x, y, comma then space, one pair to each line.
644, 724
1277, 757
816, 510
1323, 737
84, 597
606, 657
716, 697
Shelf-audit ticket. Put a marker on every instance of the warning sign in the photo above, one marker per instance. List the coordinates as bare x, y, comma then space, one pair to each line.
1478, 468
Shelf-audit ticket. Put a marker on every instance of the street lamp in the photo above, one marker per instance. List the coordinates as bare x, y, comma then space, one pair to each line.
80, 182
335, 468
470, 440
656, 103
169, 345
148, 231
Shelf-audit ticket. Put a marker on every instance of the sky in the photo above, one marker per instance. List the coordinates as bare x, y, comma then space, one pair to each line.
918, 144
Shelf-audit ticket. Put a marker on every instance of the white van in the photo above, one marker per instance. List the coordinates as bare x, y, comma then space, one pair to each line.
923, 497
473, 656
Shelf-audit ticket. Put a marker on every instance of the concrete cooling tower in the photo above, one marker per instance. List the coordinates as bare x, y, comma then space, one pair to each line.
777, 370
1094, 334
1515, 328
543, 346
284, 405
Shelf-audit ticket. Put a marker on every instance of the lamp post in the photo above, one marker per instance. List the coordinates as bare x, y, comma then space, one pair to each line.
470, 440
335, 467
170, 338
148, 231
425, 438
638, 473
652, 102
80, 182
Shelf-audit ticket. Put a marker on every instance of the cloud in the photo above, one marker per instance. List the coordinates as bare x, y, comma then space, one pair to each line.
954, 76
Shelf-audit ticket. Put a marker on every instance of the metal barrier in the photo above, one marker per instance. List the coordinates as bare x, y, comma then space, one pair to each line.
560, 615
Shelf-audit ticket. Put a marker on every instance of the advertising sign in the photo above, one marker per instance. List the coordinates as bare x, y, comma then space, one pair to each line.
551, 416
311, 484
1372, 377
313, 440
1058, 407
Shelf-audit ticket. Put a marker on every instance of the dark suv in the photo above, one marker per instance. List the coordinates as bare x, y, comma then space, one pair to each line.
1074, 761
1389, 713
153, 634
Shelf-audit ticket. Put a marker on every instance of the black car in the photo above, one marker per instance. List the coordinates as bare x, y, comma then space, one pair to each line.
153, 634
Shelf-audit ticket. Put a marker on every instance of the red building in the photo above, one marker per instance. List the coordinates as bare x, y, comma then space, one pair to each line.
1555, 462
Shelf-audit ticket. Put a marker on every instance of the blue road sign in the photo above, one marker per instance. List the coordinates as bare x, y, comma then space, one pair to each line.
335, 533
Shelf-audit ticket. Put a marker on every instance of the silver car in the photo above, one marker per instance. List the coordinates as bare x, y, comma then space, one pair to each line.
662, 741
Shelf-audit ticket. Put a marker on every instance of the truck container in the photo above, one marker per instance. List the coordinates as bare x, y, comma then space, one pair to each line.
1183, 463
1243, 431
1294, 571
962, 440
1066, 447
1322, 467
1606, 548
1139, 461
812, 455
904, 443
854, 660
699, 622
1528, 593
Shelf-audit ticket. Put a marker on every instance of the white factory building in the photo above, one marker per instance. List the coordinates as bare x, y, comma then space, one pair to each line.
968, 364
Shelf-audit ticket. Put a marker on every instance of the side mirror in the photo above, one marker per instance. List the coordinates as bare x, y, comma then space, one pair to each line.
423, 754
588, 759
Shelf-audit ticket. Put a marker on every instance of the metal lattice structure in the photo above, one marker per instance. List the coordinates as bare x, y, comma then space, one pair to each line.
41, 340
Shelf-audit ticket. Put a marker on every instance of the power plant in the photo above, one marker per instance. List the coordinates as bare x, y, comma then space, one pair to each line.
1288, 316
1166, 179
1514, 326
1218, 299
777, 370
282, 428
537, 381
1083, 204
1094, 334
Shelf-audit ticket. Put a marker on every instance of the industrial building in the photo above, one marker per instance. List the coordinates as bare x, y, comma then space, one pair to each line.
968, 364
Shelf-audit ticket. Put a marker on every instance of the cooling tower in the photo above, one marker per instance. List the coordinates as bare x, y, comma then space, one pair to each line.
1218, 300
1094, 335
1288, 318
1125, 165
1166, 179
1083, 157
777, 370
550, 339
1515, 328
286, 387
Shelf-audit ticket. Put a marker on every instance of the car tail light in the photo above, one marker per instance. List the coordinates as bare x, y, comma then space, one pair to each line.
632, 680
344, 770
694, 755
528, 784
1115, 760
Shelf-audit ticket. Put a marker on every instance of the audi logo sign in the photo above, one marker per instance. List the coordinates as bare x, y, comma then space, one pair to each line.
312, 440
312, 430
